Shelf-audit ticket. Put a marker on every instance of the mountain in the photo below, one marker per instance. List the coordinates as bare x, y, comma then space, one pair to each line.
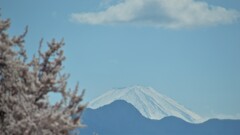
122, 118
148, 102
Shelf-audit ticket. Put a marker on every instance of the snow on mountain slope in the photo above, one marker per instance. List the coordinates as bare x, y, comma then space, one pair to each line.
148, 102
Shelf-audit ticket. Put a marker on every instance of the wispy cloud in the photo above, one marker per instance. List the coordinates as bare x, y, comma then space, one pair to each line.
160, 13
223, 116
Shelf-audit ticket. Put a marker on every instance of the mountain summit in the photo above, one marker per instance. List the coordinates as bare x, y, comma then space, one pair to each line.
148, 102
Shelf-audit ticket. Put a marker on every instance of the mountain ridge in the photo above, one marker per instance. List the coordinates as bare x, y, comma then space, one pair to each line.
150, 103
122, 118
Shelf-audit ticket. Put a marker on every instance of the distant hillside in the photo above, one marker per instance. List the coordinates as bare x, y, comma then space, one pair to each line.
122, 118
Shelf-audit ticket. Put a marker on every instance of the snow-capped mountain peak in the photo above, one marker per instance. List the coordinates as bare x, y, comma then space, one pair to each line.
148, 102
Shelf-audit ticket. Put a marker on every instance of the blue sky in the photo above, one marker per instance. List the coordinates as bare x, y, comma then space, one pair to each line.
188, 50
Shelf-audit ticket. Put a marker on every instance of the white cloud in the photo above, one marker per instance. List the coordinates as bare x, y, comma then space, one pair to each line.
160, 13
223, 116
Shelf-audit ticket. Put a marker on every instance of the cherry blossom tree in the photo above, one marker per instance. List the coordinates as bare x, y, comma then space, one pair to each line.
25, 86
